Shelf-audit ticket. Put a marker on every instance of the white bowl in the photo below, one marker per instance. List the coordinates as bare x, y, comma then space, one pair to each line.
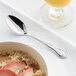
10, 46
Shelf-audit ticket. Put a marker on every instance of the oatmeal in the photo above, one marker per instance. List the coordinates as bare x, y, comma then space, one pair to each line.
20, 63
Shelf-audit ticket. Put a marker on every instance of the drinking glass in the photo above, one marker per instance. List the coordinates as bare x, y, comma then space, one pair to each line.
55, 14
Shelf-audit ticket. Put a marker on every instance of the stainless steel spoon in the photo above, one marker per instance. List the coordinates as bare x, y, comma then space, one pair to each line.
17, 26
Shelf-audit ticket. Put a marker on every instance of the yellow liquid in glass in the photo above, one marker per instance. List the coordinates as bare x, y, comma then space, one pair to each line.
58, 3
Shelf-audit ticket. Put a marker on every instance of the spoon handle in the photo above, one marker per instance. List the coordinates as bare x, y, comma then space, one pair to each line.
57, 51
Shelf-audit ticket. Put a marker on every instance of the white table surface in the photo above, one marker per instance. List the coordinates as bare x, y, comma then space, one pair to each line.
31, 8
56, 66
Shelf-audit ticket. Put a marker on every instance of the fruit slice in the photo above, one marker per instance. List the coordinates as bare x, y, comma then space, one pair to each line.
17, 65
28, 72
6, 72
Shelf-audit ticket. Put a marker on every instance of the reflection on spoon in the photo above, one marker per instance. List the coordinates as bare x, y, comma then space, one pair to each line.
17, 26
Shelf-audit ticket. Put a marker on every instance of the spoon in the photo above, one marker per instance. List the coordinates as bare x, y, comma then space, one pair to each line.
17, 26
